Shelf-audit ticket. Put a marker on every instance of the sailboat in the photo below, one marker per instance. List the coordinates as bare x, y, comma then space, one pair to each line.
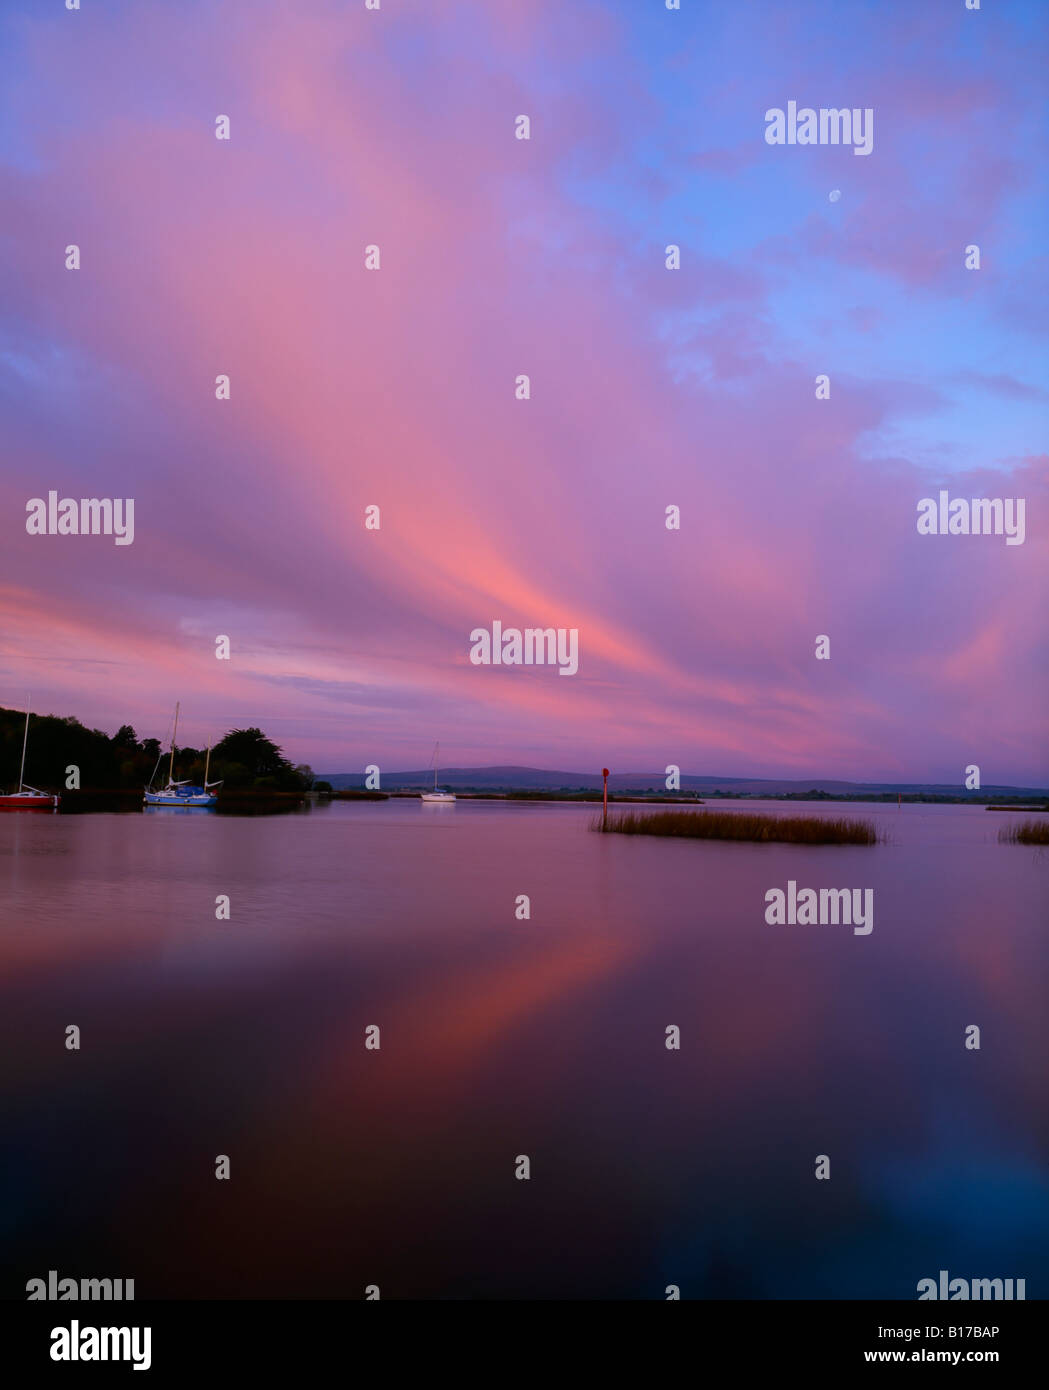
182, 793
438, 795
27, 798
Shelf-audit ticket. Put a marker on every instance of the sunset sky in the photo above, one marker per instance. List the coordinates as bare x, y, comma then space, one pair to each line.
650, 387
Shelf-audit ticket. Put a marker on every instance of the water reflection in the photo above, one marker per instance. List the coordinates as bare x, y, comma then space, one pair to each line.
502, 1037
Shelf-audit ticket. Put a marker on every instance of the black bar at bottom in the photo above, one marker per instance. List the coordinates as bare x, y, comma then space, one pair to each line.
240, 1339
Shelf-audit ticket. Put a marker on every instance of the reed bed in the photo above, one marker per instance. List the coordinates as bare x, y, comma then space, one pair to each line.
729, 825
1025, 832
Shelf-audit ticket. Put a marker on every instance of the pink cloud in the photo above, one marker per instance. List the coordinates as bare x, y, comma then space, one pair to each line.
397, 388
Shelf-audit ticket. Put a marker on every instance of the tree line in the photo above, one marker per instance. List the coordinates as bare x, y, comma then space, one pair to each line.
244, 758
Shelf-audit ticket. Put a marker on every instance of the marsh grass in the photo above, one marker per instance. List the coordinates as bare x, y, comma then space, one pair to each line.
727, 825
1025, 832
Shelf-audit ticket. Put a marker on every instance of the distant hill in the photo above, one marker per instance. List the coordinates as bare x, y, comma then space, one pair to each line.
539, 779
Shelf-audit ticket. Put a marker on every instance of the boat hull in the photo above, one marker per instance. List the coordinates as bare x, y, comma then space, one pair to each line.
29, 801
203, 803
439, 798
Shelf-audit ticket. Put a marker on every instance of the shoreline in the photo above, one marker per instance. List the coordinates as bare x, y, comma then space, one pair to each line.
248, 800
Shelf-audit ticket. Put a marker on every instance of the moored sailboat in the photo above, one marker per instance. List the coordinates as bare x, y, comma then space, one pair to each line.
28, 798
438, 795
184, 794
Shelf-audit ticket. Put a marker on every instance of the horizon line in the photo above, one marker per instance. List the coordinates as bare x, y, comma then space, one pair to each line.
699, 776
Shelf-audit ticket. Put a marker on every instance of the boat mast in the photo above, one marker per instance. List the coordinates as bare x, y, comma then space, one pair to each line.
25, 736
436, 759
171, 763
207, 764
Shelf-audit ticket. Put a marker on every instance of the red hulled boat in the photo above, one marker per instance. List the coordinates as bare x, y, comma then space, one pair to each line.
28, 798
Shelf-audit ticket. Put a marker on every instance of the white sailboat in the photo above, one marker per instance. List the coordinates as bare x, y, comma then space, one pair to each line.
27, 798
183, 794
438, 796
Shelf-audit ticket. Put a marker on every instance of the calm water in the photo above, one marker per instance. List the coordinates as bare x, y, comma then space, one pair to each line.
501, 1037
